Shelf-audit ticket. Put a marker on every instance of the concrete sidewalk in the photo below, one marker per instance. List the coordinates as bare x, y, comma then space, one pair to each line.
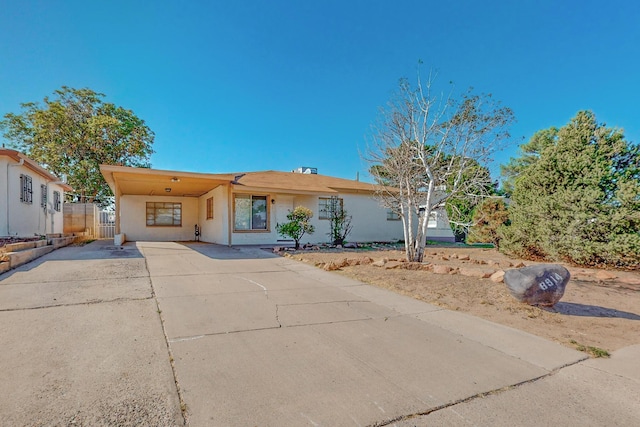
262, 340
98, 335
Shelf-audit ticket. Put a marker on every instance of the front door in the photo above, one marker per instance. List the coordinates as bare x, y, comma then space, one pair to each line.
284, 205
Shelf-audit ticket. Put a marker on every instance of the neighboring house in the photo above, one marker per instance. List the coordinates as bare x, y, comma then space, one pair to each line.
243, 208
30, 197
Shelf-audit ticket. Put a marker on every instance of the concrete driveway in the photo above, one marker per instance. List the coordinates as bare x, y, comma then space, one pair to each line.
240, 337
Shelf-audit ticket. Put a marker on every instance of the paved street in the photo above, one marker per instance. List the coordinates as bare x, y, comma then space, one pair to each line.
241, 337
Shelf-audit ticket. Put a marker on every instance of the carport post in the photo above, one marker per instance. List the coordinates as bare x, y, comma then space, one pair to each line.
117, 199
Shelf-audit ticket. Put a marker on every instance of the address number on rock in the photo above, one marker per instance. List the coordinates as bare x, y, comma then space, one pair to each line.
550, 281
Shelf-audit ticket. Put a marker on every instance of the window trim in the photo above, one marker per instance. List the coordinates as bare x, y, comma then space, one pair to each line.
26, 189
324, 213
155, 215
392, 215
56, 201
267, 198
432, 221
209, 210
43, 196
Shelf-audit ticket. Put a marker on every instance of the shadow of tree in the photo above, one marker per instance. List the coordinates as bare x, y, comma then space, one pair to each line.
573, 309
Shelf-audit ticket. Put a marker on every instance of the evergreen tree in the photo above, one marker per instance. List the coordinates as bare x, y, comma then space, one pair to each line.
579, 201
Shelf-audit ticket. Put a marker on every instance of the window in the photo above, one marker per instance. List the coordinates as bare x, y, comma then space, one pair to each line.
327, 205
433, 220
250, 213
210, 208
164, 214
56, 201
392, 216
43, 196
26, 189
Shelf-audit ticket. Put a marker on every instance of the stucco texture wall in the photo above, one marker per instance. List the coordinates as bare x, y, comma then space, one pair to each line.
133, 221
18, 218
214, 230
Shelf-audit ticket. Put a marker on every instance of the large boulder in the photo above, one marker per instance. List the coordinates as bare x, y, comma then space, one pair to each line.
541, 284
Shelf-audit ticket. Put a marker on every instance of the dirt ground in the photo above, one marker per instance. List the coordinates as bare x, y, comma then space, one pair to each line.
600, 308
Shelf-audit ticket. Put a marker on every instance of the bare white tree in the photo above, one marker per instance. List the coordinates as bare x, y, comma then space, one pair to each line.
428, 149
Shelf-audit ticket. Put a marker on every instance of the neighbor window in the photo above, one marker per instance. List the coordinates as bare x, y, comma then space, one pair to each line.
164, 214
326, 205
392, 216
210, 208
250, 213
26, 189
43, 196
56, 201
433, 220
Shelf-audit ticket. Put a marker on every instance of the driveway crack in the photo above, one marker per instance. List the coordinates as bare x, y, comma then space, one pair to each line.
468, 399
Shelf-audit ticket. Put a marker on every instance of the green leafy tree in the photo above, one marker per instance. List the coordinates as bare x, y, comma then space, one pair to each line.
579, 201
298, 224
488, 217
74, 132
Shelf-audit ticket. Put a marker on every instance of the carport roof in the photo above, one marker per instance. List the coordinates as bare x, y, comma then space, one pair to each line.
155, 182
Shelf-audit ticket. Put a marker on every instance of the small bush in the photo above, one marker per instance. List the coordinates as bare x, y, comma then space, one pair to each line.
298, 224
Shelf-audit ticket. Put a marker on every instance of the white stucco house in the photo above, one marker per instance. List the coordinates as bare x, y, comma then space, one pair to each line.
244, 208
31, 197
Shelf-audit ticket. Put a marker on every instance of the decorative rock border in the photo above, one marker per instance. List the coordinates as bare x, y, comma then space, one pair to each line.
14, 255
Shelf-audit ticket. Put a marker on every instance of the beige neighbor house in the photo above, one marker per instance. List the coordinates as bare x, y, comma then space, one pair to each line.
31, 197
244, 208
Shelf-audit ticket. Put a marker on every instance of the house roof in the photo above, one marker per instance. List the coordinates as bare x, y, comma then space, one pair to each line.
303, 183
34, 166
143, 181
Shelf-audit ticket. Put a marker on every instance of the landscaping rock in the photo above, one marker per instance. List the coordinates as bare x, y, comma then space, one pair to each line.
379, 263
392, 264
366, 260
463, 257
351, 246
412, 266
498, 276
331, 266
441, 269
541, 284
481, 273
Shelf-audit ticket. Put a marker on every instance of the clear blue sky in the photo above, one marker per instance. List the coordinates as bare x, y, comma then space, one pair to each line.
253, 85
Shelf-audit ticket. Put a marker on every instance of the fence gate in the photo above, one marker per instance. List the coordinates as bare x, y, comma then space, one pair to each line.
106, 224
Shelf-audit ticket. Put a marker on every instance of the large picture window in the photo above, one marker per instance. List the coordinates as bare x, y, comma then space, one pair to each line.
164, 214
250, 213
26, 189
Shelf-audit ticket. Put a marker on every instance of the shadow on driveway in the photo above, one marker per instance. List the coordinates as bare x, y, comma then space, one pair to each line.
222, 252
